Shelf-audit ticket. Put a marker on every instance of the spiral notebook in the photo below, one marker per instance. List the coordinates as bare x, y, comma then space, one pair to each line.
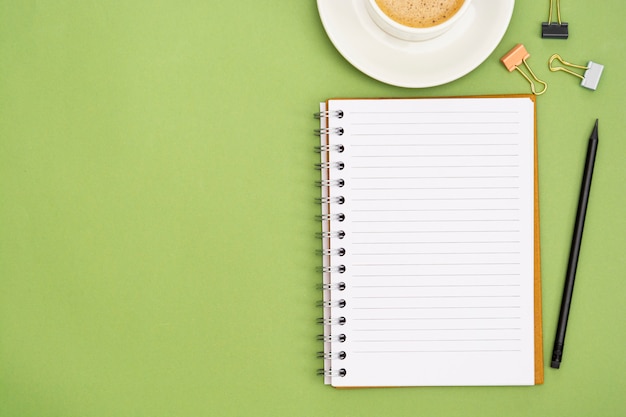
430, 238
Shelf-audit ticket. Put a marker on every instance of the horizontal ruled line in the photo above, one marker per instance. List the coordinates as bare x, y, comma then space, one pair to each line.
433, 318
439, 329
429, 188
442, 264
436, 221
438, 351
434, 166
411, 297
430, 275
439, 134
420, 145
435, 308
429, 210
437, 156
437, 199
437, 112
436, 286
435, 177
445, 123
431, 242
434, 231
433, 340
432, 253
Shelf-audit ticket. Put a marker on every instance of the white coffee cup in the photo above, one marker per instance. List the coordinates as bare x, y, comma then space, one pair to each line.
410, 33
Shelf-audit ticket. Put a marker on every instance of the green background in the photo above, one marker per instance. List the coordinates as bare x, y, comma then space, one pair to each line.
157, 216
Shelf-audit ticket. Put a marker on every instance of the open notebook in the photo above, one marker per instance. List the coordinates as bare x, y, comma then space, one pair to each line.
430, 242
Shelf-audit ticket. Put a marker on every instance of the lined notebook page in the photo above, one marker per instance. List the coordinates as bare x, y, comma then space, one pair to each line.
439, 212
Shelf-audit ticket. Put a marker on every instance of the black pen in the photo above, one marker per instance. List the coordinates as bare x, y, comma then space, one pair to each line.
585, 188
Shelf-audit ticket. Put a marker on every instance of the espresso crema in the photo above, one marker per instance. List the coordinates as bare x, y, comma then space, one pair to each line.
420, 13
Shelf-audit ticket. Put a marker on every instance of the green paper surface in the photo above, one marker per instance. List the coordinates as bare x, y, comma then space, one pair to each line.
157, 215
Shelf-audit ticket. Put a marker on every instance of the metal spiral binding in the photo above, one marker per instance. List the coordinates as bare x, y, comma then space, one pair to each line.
324, 114
331, 183
341, 338
329, 165
338, 269
332, 252
330, 355
340, 217
328, 200
331, 200
339, 234
329, 322
329, 131
330, 373
328, 304
330, 148
340, 286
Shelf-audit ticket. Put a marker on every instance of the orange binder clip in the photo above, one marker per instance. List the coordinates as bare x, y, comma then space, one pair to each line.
516, 57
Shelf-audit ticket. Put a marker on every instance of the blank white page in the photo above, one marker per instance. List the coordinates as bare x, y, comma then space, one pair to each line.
438, 233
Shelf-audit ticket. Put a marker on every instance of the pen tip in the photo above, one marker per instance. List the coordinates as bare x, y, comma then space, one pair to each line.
594, 133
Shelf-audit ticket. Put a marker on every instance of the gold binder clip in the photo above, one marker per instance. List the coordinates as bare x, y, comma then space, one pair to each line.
517, 56
591, 77
555, 30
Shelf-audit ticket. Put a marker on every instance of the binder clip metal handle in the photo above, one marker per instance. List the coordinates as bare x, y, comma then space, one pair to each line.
555, 30
591, 77
516, 57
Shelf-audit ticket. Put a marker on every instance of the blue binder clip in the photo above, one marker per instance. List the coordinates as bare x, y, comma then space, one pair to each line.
555, 30
591, 77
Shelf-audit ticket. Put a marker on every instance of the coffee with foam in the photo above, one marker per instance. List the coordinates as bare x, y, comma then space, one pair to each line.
420, 13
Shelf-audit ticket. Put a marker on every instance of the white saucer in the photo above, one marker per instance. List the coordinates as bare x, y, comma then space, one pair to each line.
415, 64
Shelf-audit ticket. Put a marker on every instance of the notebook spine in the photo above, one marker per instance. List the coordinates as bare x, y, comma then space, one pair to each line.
330, 201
